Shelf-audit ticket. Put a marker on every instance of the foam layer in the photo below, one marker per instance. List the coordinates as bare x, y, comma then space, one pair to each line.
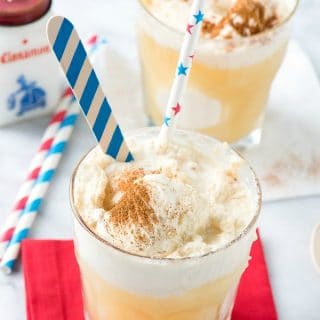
227, 18
184, 202
241, 41
159, 278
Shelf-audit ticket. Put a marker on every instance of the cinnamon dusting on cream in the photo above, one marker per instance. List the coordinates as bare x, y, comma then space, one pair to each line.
246, 17
133, 207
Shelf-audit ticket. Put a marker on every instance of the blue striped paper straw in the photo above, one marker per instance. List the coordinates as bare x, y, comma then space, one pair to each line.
74, 61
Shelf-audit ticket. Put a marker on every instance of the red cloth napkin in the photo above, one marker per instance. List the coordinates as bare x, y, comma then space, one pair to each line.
53, 291
254, 299
52, 280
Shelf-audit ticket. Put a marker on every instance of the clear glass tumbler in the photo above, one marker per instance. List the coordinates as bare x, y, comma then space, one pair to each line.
229, 82
118, 285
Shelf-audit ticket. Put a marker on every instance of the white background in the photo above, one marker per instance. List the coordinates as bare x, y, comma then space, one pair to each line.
285, 225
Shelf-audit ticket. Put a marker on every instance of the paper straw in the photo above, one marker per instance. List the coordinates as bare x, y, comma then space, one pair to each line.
41, 186
33, 172
94, 43
73, 59
187, 54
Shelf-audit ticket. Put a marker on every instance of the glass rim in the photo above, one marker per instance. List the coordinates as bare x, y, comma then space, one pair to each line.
243, 233
214, 40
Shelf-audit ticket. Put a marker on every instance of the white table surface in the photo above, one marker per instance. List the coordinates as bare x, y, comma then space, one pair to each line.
285, 226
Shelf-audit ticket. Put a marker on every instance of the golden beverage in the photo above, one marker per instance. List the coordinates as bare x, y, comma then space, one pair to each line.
210, 301
229, 82
199, 279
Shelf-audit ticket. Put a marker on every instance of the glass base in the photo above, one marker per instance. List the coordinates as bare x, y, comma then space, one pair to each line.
251, 140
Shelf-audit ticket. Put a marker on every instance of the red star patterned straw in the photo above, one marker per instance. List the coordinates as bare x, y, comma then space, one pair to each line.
184, 65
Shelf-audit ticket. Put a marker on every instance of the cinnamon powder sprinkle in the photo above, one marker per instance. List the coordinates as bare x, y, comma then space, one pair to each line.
246, 17
133, 207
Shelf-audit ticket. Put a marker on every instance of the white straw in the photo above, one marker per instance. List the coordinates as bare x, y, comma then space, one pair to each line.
187, 54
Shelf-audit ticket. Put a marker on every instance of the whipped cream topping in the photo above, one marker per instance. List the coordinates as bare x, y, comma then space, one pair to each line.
185, 202
224, 19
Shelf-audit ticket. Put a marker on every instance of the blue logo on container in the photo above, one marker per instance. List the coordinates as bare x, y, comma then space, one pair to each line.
28, 97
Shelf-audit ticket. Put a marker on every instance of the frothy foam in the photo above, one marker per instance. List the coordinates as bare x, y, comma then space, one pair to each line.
185, 202
224, 19
235, 33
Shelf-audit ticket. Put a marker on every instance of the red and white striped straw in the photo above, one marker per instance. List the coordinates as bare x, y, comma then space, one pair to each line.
41, 186
187, 54
33, 172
